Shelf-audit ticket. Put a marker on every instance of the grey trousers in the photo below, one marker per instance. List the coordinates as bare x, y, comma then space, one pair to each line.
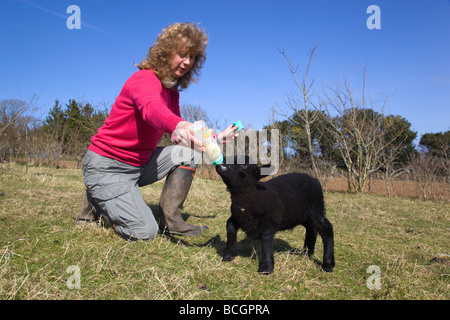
113, 187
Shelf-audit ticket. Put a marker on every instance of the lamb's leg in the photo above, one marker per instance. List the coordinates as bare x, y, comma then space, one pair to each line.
326, 232
231, 249
310, 239
267, 261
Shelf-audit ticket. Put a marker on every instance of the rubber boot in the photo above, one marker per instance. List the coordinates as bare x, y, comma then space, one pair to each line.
175, 191
91, 213
87, 213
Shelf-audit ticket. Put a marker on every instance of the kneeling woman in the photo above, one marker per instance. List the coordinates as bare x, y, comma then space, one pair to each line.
124, 156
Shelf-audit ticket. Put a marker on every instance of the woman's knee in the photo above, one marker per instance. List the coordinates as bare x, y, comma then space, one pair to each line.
130, 216
185, 156
145, 231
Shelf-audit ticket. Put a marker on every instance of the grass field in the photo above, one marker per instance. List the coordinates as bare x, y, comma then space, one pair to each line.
43, 253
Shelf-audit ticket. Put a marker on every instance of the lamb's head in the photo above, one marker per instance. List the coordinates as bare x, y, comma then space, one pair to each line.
237, 172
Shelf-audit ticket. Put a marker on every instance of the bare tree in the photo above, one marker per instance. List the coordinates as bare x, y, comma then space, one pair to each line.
391, 167
273, 123
428, 172
194, 113
357, 127
393, 159
301, 104
15, 120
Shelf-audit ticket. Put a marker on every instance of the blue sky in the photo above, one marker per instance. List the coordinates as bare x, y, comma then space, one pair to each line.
244, 74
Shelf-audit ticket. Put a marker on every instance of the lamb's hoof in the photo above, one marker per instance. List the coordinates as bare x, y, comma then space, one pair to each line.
265, 273
228, 258
265, 270
327, 268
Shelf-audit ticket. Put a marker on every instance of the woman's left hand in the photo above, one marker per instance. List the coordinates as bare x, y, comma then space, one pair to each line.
228, 134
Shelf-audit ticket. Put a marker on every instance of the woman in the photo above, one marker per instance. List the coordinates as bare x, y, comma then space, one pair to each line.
123, 155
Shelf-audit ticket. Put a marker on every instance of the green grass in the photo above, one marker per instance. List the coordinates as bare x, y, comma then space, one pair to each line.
39, 241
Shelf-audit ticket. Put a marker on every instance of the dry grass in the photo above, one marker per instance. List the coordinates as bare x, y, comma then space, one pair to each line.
406, 238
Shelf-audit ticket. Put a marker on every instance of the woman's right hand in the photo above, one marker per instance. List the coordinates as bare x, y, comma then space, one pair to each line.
183, 135
228, 134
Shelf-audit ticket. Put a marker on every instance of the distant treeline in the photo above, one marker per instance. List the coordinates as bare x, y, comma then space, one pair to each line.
359, 140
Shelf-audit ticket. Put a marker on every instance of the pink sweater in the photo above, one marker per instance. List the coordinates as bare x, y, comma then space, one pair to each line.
142, 112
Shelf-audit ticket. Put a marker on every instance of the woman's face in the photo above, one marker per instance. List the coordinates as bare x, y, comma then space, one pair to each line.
181, 62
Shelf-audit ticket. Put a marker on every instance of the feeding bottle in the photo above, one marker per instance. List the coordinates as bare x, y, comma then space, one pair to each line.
213, 154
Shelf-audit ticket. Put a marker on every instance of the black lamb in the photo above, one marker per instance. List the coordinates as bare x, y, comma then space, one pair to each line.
263, 208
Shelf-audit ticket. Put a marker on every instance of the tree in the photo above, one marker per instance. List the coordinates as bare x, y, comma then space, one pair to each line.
15, 123
192, 113
432, 166
68, 131
431, 175
394, 158
438, 144
360, 133
283, 130
302, 104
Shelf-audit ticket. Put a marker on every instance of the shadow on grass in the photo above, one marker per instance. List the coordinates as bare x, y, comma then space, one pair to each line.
247, 247
155, 210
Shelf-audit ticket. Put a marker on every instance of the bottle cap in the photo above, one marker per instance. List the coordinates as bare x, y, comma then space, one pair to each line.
218, 161
239, 124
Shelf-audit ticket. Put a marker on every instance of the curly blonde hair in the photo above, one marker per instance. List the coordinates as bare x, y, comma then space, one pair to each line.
172, 39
